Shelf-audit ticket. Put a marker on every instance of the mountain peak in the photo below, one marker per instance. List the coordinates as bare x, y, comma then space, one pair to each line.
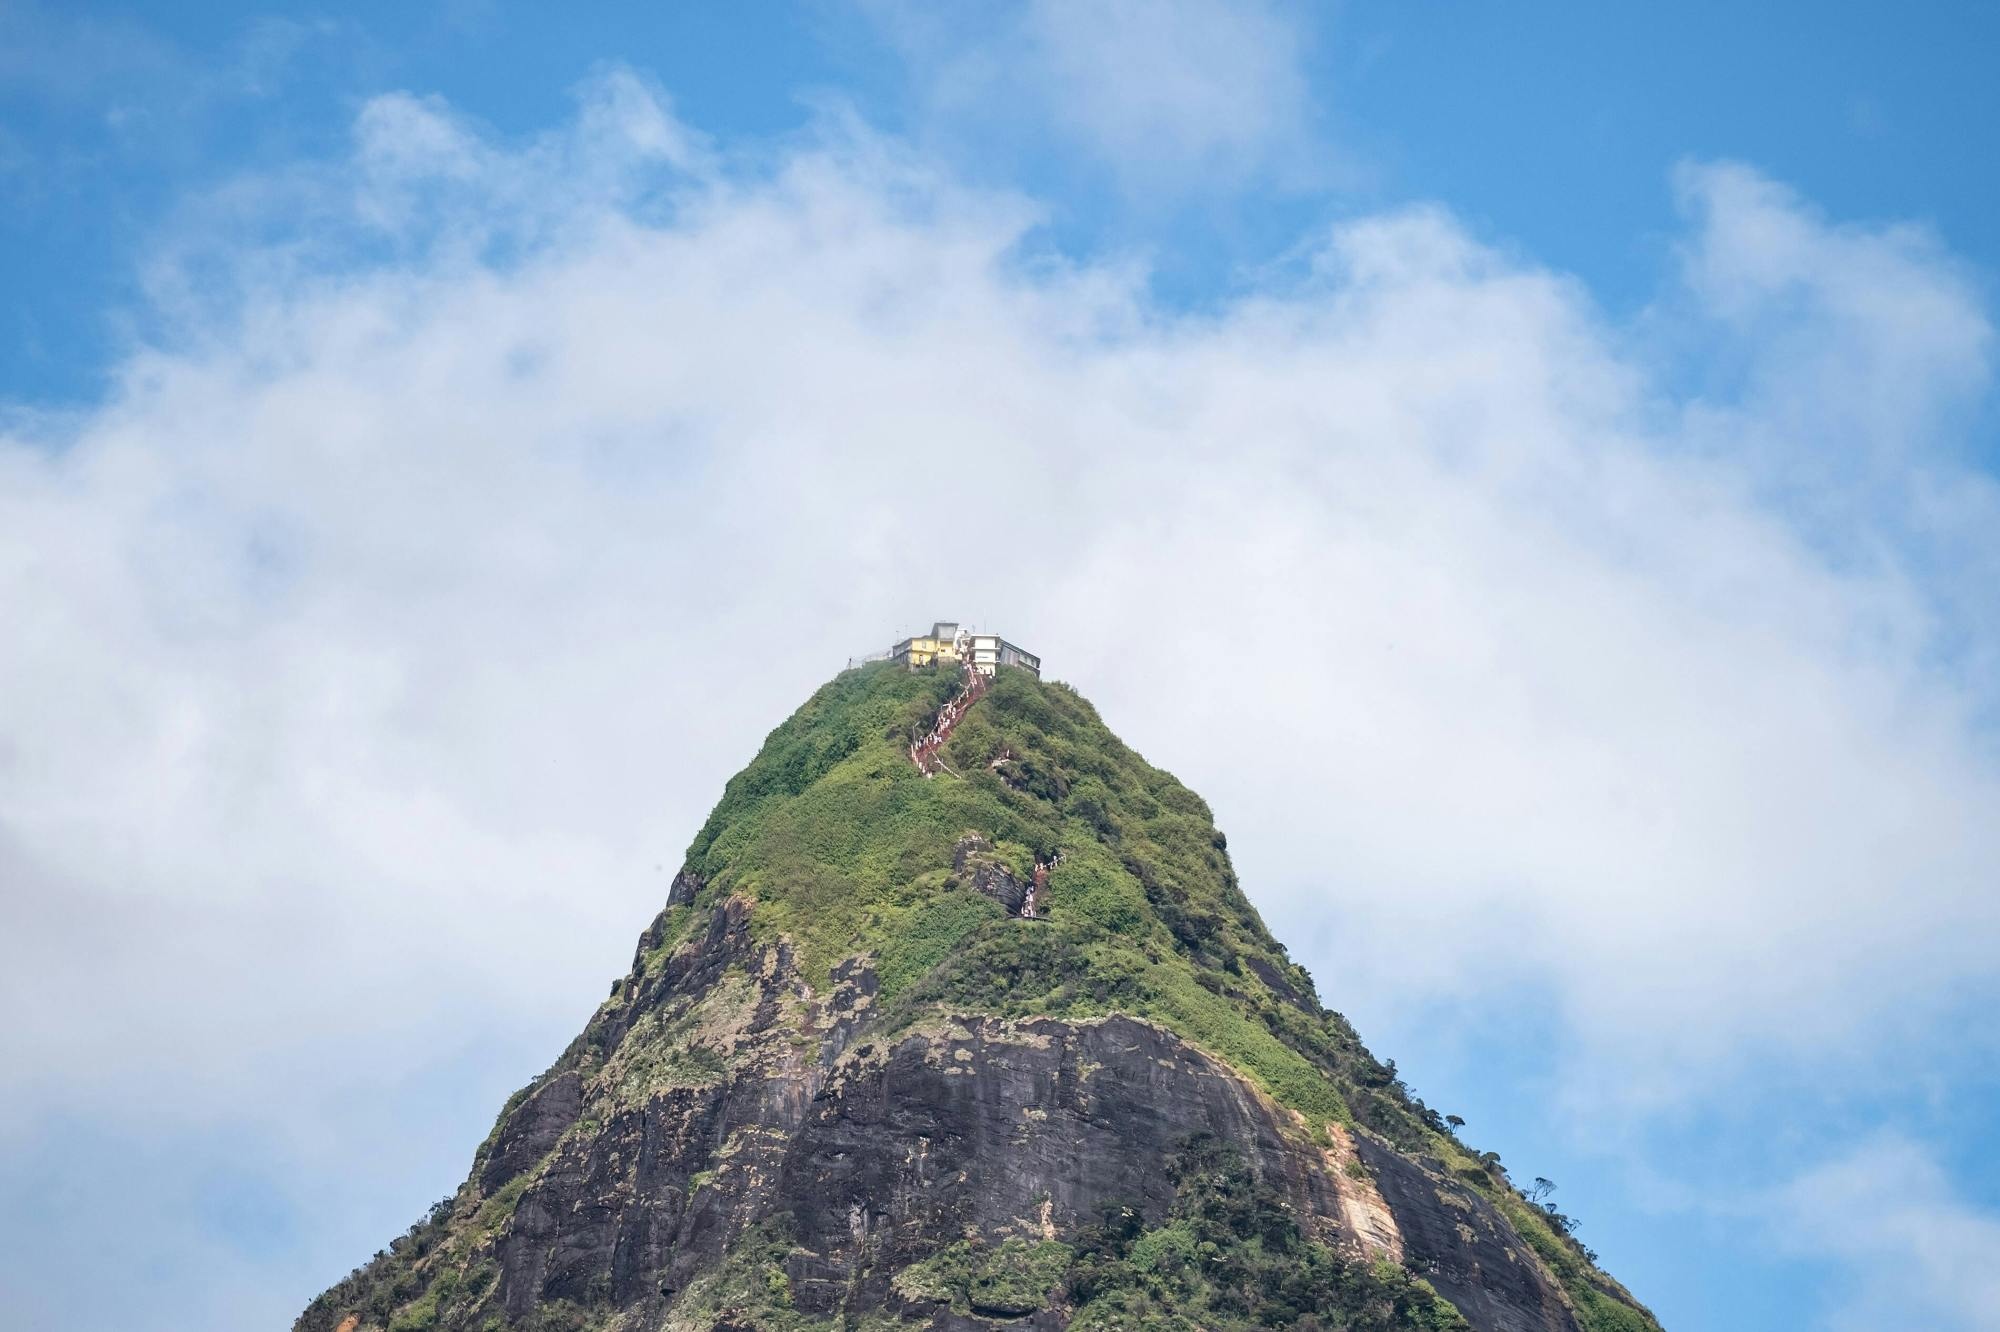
957, 1017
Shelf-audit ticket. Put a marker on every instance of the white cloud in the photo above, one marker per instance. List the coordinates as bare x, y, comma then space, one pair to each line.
1196, 85
1914, 1252
1174, 96
1851, 340
377, 647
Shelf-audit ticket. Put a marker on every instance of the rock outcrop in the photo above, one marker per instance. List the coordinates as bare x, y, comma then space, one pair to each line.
975, 865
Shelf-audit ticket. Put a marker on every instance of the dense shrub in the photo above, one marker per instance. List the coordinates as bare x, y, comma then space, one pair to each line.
1230, 1257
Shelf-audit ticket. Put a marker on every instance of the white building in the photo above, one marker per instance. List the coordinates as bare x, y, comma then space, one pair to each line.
989, 652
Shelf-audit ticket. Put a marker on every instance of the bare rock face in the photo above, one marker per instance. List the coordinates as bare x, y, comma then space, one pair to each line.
877, 1150
1463, 1246
1011, 1129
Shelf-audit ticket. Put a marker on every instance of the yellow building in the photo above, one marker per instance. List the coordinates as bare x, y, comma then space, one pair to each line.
949, 643
940, 644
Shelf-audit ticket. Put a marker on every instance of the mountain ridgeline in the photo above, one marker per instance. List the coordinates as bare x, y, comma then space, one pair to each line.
847, 1084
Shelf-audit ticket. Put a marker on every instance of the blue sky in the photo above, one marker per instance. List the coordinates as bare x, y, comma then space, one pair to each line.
1549, 127
1571, 432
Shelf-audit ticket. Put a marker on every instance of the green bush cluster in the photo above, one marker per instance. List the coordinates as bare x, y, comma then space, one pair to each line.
1230, 1257
750, 1290
928, 934
1008, 1280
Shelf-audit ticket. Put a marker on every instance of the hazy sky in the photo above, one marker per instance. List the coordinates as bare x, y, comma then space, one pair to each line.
1531, 470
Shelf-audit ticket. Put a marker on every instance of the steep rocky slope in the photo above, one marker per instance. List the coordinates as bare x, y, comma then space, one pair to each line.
846, 1085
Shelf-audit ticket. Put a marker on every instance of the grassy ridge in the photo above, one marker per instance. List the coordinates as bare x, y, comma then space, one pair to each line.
847, 850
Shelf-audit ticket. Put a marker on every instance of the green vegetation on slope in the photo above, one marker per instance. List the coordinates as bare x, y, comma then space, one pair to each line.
847, 850
1231, 1258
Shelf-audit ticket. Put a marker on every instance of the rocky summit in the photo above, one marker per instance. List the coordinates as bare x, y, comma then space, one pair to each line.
988, 1040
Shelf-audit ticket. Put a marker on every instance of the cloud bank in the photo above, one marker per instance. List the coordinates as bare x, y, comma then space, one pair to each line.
379, 643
